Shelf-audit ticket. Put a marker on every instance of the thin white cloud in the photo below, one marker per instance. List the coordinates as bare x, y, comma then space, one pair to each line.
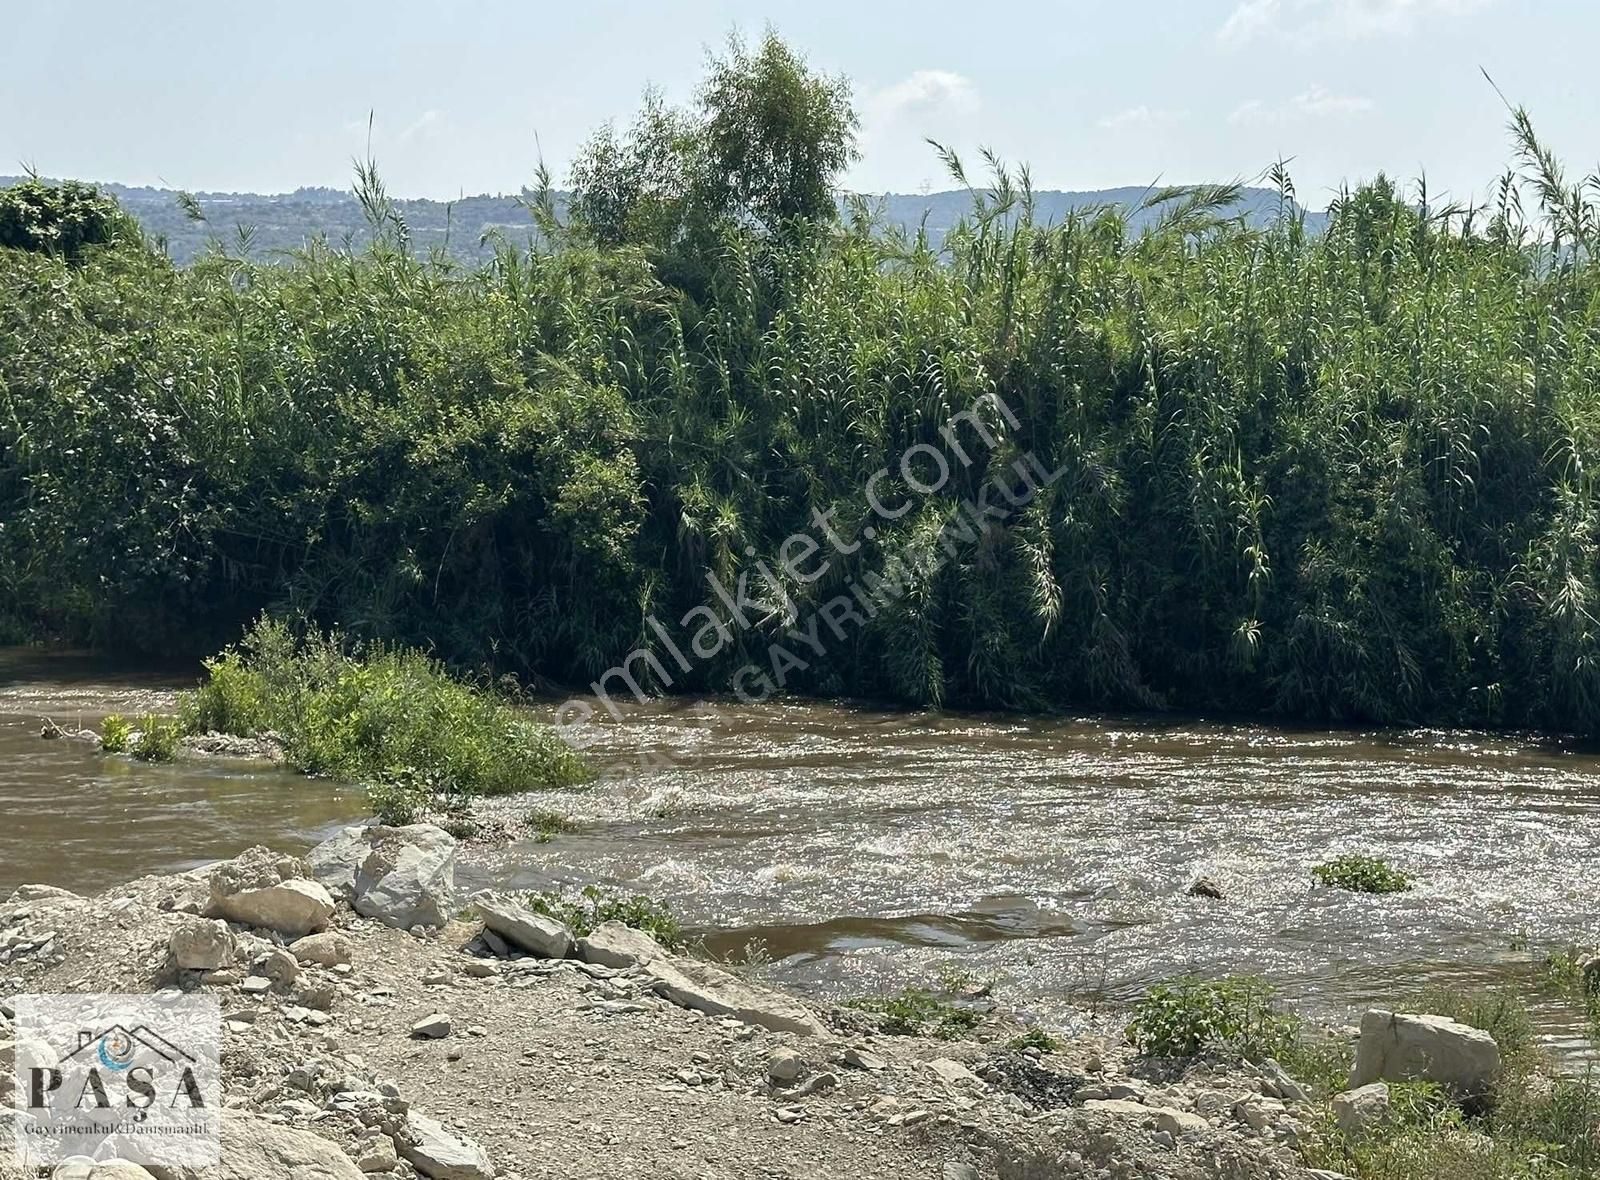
427, 125
1143, 116
1308, 22
897, 118
1316, 103
921, 94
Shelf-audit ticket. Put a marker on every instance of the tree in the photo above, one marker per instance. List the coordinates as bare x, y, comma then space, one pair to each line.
776, 136
764, 144
60, 219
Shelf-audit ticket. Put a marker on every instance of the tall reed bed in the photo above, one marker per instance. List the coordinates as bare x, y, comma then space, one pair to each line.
1339, 475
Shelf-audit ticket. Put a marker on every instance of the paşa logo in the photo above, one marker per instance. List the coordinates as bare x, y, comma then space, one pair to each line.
106, 1076
118, 1066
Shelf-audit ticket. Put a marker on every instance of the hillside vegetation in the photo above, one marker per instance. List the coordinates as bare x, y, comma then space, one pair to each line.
1347, 474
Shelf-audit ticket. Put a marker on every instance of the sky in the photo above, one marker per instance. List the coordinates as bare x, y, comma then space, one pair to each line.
465, 97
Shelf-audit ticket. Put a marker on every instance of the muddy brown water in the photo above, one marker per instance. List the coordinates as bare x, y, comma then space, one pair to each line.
858, 851
74, 817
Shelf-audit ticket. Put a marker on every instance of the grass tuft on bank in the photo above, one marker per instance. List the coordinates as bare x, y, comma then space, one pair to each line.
381, 715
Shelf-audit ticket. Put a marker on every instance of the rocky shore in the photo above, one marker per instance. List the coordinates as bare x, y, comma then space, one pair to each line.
377, 1024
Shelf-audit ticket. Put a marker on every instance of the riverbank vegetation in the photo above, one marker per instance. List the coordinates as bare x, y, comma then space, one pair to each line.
380, 715
1348, 474
390, 718
1541, 1121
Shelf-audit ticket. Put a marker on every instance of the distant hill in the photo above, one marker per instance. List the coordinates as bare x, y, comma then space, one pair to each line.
280, 222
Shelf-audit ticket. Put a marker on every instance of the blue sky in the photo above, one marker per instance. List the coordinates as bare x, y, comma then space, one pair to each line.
1091, 95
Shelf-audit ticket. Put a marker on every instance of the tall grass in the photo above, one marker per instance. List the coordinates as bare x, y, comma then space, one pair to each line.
1338, 475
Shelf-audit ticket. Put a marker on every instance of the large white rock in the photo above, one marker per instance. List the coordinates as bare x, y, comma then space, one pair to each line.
520, 926
201, 944
442, 1154
254, 1149
402, 876
692, 984
612, 944
1404, 1047
260, 888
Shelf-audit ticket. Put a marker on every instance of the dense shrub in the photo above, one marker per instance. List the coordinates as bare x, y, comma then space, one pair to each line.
379, 714
1189, 1016
61, 219
158, 738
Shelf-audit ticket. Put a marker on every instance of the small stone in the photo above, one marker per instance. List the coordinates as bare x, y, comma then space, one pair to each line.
1360, 1110
815, 1084
436, 979
201, 944
278, 966
790, 1114
952, 1072
481, 968
378, 1155
958, 1170
1177, 1122
255, 985
861, 1059
432, 1027
785, 1066
327, 949
1206, 887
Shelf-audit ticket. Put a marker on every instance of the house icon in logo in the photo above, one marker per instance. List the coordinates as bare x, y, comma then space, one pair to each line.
119, 1047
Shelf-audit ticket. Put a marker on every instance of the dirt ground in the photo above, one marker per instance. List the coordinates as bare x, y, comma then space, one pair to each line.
561, 1069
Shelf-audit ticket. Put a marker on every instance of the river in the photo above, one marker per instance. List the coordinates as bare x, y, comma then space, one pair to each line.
862, 850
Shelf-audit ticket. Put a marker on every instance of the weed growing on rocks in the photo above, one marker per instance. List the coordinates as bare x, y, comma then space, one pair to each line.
544, 825
917, 1012
115, 734
593, 907
1188, 1016
158, 738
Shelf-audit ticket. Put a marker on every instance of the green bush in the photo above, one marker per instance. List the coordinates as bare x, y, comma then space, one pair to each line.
917, 1012
380, 715
158, 738
399, 801
1361, 874
593, 907
1188, 1016
115, 732
61, 219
